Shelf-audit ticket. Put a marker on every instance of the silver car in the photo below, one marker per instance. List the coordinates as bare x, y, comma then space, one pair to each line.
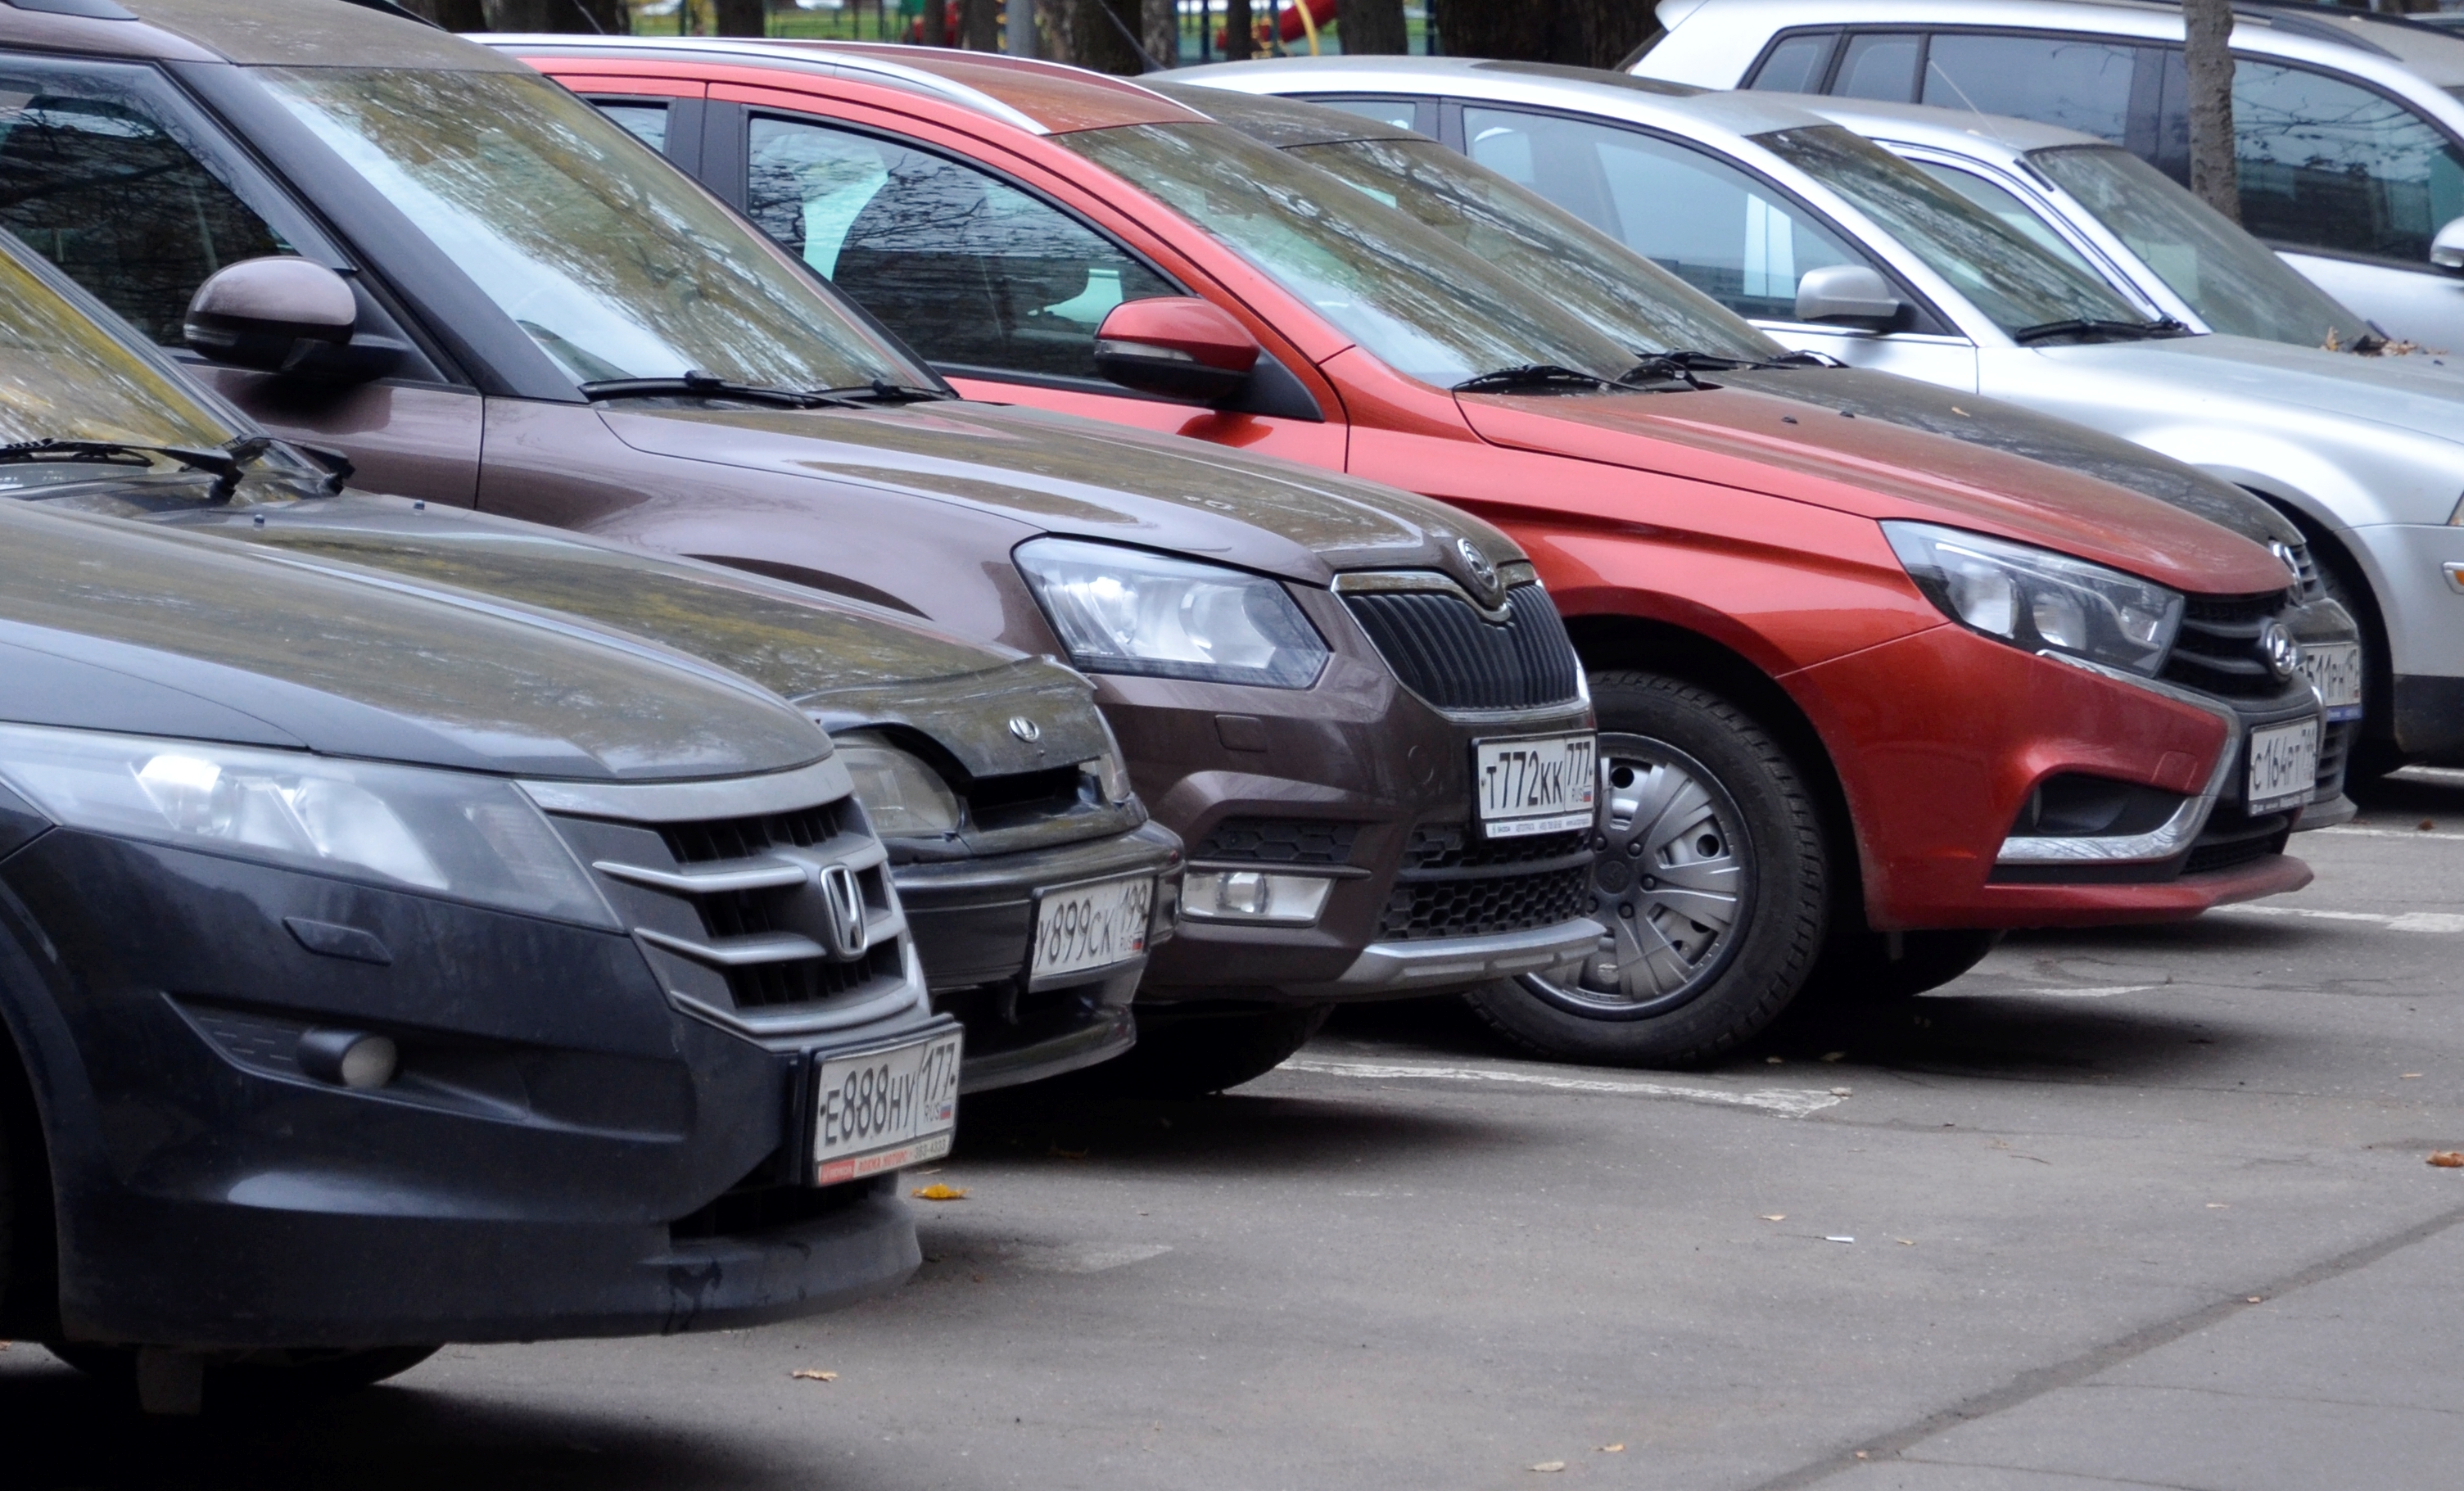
2349, 127
1832, 245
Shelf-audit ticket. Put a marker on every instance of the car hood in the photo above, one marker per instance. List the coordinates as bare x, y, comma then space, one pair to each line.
2223, 377
2017, 431
1059, 473
108, 625
844, 663
1734, 437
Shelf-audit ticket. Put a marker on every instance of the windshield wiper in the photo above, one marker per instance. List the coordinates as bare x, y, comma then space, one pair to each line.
2099, 331
227, 463
704, 385
883, 391
1530, 375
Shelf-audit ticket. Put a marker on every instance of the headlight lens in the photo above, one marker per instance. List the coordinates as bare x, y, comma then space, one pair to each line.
1127, 611
905, 797
2037, 599
453, 834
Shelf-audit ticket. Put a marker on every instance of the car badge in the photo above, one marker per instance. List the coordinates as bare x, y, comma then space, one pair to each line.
1025, 729
2283, 653
1483, 574
2285, 556
843, 913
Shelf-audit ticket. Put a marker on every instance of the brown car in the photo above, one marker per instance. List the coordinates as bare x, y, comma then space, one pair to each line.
1358, 706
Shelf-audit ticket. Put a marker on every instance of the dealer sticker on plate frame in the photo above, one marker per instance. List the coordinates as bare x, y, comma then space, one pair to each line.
1536, 785
885, 1109
2283, 766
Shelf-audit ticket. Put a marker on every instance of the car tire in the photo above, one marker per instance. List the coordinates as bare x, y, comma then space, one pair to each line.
1859, 970
276, 1373
1190, 1050
1702, 814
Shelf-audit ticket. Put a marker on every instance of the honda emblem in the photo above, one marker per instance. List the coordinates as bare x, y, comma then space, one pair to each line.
843, 912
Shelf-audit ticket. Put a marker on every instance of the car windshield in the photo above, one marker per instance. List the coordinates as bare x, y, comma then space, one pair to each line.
2232, 280
1623, 294
1415, 299
2014, 281
615, 264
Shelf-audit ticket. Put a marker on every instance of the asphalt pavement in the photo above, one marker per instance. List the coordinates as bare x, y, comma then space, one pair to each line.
2141, 1208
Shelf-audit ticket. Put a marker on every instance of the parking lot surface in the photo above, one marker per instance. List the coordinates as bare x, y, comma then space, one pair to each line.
2136, 1208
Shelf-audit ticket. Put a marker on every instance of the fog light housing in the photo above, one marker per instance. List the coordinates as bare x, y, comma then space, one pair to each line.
350, 1058
1254, 895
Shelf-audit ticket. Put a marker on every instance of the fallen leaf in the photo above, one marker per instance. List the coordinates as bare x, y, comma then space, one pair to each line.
2251, 1299
1773, 1217
1771, 1060
810, 1374
1843, 1092
1906, 1242
937, 1191
1835, 1056
1839, 1239
2448, 1159
2220, 1206
1611, 1449
1549, 1465
2427, 825
2408, 1076
1962, 413
1860, 1455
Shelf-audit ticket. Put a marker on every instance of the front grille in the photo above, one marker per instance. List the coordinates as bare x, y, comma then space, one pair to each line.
1454, 885
2231, 839
2217, 650
1449, 654
744, 838
2312, 585
2335, 751
1278, 840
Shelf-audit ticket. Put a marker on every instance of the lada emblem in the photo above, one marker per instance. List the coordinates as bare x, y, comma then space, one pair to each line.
843, 913
2283, 653
1483, 574
1025, 729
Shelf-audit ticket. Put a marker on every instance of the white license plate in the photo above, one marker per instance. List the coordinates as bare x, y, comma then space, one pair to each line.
1096, 925
2283, 765
1539, 784
884, 1110
2336, 672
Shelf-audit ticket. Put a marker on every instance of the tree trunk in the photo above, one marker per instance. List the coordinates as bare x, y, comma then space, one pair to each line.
571, 16
1239, 32
1372, 27
1576, 32
979, 25
741, 18
2207, 58
1159, 31
1083, 33
452, 14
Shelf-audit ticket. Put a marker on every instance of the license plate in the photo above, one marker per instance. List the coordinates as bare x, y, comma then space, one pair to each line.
1538, 784
2283, 765
1096, 925
2336, 672
884, 1109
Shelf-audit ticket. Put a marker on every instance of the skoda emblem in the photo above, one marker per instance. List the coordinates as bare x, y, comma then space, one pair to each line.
843, 913
1025, 729
1483, 574
2283, 653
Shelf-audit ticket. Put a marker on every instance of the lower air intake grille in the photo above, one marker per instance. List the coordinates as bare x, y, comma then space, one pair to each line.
1454, 885
1450, 655
1278, 840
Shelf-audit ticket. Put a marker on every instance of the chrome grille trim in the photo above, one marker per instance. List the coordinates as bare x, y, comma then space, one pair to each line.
769, 947
825, 780
761, 874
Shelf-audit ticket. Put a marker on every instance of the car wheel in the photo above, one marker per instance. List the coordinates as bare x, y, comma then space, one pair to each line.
1189, 1051
275, 1372
1711, 877
1859, 969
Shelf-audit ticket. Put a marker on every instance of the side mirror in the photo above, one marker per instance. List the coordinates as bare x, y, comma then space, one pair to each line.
282, 315
1178, 346
1849, 294
2447, 248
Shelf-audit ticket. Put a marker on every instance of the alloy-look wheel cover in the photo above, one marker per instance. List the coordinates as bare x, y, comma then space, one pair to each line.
1672, 881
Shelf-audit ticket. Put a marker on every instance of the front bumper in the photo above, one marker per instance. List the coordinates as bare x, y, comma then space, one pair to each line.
1390, 970
2416, 573
565, 1150
973, 922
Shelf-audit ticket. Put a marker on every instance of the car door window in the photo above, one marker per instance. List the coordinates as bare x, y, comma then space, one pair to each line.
1794, 64
1706, 222
2015, 214
971, 270
99, 177
1881, 65
1400, 113
646, 122
2078, 82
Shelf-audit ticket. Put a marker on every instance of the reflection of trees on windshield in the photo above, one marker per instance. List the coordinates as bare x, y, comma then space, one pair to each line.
1642, 307
1421, 305
63, 376
615, 264
2014, 282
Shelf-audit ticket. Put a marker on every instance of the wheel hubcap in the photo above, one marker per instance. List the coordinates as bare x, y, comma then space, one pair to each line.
1669, 881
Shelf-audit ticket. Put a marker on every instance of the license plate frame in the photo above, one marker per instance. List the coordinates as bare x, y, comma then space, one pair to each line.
1055, 901
2335, 670
1562, 769
2281, 766
878, 1138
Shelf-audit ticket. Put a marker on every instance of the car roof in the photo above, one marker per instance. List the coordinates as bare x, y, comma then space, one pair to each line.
295, 33
1282, 122
1949, 129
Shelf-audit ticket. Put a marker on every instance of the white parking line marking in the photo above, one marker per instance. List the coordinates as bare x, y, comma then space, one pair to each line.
1786, 1102
1986, 992
2402, 921
2416, 834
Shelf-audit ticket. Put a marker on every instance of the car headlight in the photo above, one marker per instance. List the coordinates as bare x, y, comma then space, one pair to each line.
2037, 599
1123, 610
454, 834
904, 798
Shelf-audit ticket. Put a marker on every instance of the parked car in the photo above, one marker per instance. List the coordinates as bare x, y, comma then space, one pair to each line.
1834, 246
1636, 303
1775, 689
1331, 690
2348, 129
1022, 861
335, 1026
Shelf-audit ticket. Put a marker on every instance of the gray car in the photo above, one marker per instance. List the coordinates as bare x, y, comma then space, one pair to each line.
2349, 127
1835, 245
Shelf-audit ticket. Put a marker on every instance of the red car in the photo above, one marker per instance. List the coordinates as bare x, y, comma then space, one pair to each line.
1866, 695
